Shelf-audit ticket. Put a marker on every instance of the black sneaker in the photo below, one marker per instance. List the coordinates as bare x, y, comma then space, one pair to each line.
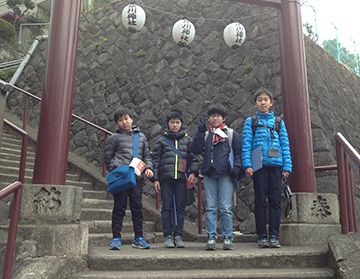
263, 243
274, 242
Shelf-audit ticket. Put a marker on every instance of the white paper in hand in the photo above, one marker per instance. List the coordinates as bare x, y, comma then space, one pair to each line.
138, 166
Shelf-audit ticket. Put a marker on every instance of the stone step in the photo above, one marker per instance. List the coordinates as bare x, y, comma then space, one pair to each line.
96, 203
127, 237
90, 194
245, 273
17, 152
7, 154
9, 169
246, 258
91, 214
10, 178
103, 226
15, 163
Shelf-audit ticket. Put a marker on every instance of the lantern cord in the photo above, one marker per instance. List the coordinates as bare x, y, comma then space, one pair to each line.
210, 19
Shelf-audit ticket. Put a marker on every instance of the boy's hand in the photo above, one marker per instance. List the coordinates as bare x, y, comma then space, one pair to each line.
157, 186
284, 173
202, 125
249, 172
191, 181
149, 173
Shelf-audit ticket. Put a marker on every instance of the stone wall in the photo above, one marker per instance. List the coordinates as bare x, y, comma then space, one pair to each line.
151, 74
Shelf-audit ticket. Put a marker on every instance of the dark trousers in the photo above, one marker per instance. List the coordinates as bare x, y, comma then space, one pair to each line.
267, 184
171, 188
120, 204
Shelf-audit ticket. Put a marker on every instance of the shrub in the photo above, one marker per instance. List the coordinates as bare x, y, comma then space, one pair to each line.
7, 30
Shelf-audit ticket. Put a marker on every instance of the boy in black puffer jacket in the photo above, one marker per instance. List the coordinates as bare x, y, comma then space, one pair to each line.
169, 176
119, 149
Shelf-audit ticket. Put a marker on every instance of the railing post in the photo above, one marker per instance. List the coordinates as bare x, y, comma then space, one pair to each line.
348, 187
200, 177
25, 111
352, 206
14, 220
342, 191
2, 111
103, 165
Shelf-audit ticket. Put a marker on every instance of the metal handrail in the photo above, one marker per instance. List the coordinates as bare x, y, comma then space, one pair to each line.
344, 149
15, 188
9, 87
200, 177
346, 189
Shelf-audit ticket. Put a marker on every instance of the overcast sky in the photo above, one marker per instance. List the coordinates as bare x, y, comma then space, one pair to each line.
344, 14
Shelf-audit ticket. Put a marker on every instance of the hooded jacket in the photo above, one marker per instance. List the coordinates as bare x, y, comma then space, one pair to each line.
119, 149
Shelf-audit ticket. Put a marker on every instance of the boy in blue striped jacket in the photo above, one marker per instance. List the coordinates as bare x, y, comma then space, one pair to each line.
276, 160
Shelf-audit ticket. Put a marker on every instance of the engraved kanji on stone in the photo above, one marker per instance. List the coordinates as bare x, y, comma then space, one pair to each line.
320, 207
47, 202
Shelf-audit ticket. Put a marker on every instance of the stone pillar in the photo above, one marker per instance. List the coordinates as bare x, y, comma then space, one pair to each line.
314, 219
50, 215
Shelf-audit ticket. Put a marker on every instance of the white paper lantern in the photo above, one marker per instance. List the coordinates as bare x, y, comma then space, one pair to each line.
234, 34
183, 32
133, 17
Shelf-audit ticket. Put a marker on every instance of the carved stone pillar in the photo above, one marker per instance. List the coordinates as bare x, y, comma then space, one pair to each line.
314, 218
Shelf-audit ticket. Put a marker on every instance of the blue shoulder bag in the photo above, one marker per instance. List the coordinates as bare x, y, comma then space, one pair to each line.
123, 178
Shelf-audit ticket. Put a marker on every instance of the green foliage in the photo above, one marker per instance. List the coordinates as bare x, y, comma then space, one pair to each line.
39, 17
4, 74
140, 54
187, 71
15, 6
7, 30
346, 58
99, 43
249, 67
95, 4
310, 32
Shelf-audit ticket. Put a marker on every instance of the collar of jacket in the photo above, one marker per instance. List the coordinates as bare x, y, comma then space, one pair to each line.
176, 135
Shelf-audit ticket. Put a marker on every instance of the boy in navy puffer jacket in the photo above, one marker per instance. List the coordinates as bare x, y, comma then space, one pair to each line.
213, 140
276, 161
169, 176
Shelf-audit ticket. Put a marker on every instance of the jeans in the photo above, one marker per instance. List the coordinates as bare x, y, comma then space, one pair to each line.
218, 193
173, 189
267, 184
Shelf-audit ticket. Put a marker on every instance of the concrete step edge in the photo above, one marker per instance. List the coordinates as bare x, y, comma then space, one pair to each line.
265, 273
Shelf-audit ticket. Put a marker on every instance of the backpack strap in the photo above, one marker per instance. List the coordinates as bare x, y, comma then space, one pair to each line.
254, 124
136, 144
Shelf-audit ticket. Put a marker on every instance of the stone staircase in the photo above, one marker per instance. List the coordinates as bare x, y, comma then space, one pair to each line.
245, 261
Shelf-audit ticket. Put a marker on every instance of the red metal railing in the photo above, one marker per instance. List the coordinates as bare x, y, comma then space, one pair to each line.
200, 177
344, 149
15, 188
346, 188
9, 87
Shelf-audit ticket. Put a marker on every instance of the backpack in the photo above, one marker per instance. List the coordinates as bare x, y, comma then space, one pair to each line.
254, 124
230, 133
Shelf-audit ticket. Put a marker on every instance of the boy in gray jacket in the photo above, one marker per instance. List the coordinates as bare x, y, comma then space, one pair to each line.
119, 152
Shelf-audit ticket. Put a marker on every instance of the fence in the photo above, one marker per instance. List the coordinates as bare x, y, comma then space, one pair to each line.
338, 42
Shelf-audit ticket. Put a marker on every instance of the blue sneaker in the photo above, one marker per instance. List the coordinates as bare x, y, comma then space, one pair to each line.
263, 243
274, 242
140, 243
115, 244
